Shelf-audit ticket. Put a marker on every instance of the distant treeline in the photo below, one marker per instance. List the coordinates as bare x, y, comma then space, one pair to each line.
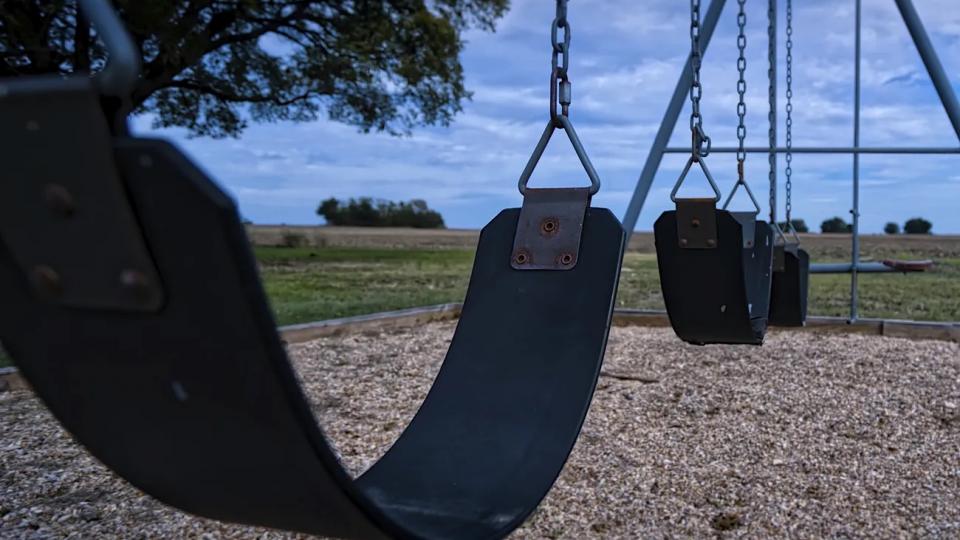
916, 225
369, 212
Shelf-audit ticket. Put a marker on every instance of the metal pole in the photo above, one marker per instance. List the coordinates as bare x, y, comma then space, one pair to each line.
669, 121
772, 115
870, 267
931, 61
855, 258
826, 150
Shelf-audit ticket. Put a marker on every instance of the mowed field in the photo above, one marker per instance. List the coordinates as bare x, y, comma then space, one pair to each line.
314, 273
332, 272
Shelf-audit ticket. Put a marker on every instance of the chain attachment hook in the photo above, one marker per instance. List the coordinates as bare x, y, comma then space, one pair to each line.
561, 92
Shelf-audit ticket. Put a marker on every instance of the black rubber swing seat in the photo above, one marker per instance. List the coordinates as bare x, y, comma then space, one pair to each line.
719, 294
183, 387
790, 289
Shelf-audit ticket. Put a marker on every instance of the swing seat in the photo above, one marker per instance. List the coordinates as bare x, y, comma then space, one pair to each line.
720, 293
790, 288
174, 376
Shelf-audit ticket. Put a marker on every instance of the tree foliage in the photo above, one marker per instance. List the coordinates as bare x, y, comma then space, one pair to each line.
367, 212
891, 228
835, 225
917, 225
210, 65
799, 225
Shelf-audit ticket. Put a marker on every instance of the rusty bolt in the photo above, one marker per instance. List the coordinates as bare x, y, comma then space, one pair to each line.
683, 241
47, 280
695, 223
549, 226
711, 242
135, 282
59, 200
566, 259
521, 258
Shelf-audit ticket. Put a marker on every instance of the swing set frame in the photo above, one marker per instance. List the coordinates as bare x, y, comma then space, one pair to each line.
934, 68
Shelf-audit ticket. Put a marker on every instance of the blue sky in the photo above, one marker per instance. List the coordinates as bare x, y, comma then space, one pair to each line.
625, 59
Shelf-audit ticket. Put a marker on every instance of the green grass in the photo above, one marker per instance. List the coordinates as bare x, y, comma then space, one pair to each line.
307, 284
312, 284
929, 296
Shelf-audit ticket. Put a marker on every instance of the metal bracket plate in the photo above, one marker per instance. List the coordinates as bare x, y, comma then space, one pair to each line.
748, 224
779, 255
549, 229
779, 258
697, 223
64, 215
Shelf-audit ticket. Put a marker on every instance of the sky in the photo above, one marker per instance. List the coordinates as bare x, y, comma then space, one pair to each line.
626, 56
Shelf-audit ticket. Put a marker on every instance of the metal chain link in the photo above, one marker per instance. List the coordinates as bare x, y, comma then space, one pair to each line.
789, 135
771, 116
741, 108
741, 88
560, 92
559, 80
700, 146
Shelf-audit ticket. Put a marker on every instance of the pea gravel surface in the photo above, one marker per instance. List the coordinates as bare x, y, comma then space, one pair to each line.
811, 435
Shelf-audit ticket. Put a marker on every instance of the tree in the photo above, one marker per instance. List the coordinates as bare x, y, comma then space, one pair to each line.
365, 212
891, 228
917, 225
799, 225
835, 225
210, 65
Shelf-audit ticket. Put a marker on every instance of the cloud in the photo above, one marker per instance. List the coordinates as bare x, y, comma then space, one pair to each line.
910, 77
625, 62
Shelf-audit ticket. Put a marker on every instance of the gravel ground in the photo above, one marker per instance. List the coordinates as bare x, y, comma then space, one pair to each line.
812, 435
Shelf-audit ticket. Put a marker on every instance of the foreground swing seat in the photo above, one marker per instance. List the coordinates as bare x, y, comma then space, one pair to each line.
132, 305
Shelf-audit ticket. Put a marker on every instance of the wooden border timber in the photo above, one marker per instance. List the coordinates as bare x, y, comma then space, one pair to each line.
942, 331
408, 318
622, 317
403, 318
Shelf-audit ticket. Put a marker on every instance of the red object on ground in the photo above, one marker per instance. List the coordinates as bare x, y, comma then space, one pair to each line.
909, 266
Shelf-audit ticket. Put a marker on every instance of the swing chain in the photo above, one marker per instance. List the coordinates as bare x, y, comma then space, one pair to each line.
560, 92
741, 108
771, 115
788, 173
559, 81
741, 88
700, 143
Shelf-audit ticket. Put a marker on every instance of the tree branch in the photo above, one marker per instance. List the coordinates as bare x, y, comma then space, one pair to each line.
224, 95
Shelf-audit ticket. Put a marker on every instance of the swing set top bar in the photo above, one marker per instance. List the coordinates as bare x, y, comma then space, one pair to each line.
826, 150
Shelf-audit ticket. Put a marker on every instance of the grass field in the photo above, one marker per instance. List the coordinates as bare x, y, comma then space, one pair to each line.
307, 284
356, 272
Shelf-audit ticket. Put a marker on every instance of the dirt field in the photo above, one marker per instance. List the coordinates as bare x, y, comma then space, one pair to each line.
810, 436
825, 247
